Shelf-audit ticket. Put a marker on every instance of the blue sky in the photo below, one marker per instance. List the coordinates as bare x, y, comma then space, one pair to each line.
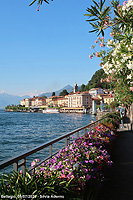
46, 50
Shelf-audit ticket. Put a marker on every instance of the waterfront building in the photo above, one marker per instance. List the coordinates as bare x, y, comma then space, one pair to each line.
22, 102
96, 91
79, 99
33, 102
107, 98
28, 102
40, 101
53, 101
63, 102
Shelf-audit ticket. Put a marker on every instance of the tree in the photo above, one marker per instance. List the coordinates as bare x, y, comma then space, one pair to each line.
44, 97
53, 93
95, 81
117, 60
63, 93
82, 88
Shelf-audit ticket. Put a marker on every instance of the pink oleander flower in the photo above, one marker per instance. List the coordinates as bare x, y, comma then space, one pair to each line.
101, 45
90, 57
100, 64
118, 81
124, 3
131, 88
112, 77
105, 23
96, 41
101, 80
97, 54
107, 79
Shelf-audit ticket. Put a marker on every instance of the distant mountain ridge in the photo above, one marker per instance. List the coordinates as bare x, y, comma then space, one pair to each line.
7, 99
69, 89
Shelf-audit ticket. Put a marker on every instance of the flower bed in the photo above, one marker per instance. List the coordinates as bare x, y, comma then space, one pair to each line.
81, 161
68, 172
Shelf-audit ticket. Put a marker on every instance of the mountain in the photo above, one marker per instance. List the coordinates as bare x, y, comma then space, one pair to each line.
6, 99
69, 88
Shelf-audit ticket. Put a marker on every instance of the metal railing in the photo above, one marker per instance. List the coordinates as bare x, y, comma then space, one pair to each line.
22, 157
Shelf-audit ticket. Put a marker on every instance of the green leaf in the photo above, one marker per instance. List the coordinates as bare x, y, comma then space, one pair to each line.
105, 12
93, 31
32, 2
92, 12
95, 10
96, 3
117, 14
89, 20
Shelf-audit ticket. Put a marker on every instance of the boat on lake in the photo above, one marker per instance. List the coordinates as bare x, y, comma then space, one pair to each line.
51, 110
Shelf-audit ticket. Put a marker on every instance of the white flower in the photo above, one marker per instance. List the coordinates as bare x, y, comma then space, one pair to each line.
130, 65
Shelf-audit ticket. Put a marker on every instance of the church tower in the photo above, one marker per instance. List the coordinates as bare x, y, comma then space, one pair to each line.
75, 88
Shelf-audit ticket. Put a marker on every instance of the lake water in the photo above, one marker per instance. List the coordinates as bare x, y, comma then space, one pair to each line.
20, 131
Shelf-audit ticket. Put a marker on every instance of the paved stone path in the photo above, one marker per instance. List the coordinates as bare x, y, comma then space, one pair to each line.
118, 183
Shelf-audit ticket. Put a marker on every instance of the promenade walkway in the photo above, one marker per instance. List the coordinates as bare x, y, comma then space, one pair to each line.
118, 183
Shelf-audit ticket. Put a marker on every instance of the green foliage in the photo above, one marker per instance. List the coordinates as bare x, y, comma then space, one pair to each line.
114, 104
39, 2
33, 186
63, 93
97, 14
95, 81
16, 107
113, 120
43, 97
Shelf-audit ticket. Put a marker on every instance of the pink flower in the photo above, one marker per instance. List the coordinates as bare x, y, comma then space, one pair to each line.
88, 177
107, 79
111, 77
42, 169
131, 88
124, 3
118, 81
101, 45
105, 23
37, 9
101, 80
96, 41
97, 54
90, 57
100, 64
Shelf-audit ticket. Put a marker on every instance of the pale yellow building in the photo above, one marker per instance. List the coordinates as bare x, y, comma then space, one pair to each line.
79, 99
33, 102
63, 102
107, 98
22, 102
